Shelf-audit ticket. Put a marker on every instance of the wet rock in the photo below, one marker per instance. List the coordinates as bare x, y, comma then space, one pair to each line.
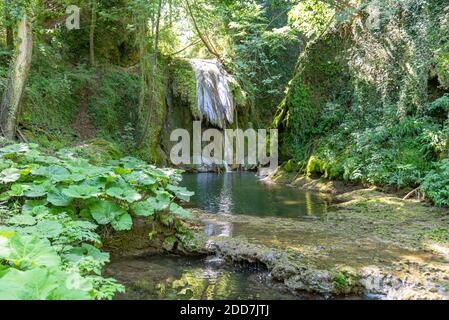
312, 281
215, 262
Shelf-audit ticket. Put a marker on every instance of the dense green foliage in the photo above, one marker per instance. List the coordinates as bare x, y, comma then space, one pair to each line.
52, 207
369, 103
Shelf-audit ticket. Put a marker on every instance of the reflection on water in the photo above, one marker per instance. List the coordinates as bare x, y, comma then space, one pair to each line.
173, 278
243, 193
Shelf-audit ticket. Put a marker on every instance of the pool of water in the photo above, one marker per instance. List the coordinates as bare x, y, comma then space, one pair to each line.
180, 278
243, 193
186, 278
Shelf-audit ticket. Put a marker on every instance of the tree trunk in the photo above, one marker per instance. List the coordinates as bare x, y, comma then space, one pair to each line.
143, 55
8, 26
153, 76
93, 23
20, 67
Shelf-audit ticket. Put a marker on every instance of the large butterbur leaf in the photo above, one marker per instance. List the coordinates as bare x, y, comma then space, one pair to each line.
53, 207
5, 250
17, 148
181, 192
18, 190
37, 190
54, 173
42, 284
143, 208
59, 199
132, 163
81, 192
123, 222
33, 206
49, 229
159, 203
9, 175
124, 193
141, 179
22, 220
179, 211
29, 252
86, 250
104, 212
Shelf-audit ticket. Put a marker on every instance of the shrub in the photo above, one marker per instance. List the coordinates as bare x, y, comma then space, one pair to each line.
436, 184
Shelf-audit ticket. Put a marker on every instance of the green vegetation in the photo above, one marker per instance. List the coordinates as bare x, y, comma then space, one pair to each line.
440, 235
351, 115
358, 89
54, 204
340, 281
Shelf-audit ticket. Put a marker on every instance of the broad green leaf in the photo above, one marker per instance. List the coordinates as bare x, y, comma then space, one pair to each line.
156, 173
36, 190
123, 222
31, 252
57, 198
58, 174
76, 177
4, 270
5, 196
159, 204
179, 211
81, 192
143, 208
17, 190
29, 205
86, 250
40, 211
33, 284
22, 220
98, 255
49, 229
169, 243
5, 250
181, 192
40, 284
15, 148
47, 160
99, 182
141, 179
54, 173
126, 194
122, 171
9, 175
132, 163
39, 170
104, 212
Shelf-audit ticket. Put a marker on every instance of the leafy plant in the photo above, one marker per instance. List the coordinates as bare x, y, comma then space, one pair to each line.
436, 184
48, 243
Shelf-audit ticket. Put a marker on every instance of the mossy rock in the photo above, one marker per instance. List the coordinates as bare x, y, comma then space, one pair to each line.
183, 81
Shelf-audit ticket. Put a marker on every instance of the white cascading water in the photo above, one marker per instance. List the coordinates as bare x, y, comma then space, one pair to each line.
214, 96
215, 101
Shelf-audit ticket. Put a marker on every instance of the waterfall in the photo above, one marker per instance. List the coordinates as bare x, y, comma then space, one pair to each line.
214, 97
